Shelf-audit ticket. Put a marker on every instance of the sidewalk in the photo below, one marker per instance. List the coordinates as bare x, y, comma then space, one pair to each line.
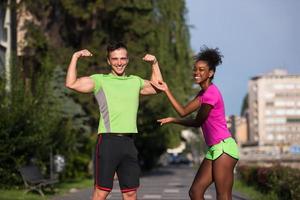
168, 183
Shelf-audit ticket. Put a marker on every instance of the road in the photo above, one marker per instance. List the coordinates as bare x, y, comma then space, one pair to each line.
167, 183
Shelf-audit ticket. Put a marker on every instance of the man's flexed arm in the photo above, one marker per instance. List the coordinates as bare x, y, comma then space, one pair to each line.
83, 84
156, 76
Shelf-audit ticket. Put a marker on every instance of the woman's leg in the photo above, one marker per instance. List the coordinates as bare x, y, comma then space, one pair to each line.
202, 180
223, 176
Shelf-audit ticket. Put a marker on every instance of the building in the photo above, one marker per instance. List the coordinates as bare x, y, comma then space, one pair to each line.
239, 129
274, 109
5, 44
8, 42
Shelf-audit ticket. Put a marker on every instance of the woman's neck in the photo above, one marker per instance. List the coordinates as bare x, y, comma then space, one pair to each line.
206, 84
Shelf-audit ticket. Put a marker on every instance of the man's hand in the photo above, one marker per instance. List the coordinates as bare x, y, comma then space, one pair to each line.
150, 58
82, 53
167, 120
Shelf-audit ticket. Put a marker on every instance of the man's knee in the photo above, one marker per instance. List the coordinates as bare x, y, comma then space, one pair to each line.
130, 195
100, 194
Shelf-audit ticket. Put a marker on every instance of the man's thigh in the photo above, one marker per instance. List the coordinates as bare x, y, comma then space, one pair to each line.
105, 163
129, 170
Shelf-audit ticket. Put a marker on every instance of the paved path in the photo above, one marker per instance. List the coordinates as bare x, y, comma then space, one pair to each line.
168, 183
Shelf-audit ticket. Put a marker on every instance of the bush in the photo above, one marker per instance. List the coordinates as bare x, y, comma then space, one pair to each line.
283, 181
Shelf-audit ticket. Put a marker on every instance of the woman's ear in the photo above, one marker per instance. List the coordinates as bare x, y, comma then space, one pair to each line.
211, 73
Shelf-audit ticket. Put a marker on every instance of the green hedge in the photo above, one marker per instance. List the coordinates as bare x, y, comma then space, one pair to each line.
283, 181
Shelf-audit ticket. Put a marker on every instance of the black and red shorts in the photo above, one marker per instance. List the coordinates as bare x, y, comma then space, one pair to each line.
116, 154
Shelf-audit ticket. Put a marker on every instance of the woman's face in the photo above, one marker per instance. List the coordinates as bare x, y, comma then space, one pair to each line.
201, 72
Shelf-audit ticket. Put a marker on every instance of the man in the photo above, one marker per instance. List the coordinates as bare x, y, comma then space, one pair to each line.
118, 97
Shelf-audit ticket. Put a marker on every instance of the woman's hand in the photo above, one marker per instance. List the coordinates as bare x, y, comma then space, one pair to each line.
167, 120
162, 86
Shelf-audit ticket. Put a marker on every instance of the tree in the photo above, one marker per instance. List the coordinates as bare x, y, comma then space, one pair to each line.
67, 122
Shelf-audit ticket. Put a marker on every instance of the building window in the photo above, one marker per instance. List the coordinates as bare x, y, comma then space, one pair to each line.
269, 95
278, 86
293, 120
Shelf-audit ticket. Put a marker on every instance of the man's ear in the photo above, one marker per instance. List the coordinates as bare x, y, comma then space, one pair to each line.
108, 62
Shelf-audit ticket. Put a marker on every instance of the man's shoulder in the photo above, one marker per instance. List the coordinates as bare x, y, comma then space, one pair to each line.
97, 76
134, 77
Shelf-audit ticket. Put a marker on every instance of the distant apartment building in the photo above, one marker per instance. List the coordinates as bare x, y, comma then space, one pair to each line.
274, 109
239, 129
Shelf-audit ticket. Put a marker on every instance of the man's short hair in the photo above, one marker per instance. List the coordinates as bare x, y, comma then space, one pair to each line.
114, 45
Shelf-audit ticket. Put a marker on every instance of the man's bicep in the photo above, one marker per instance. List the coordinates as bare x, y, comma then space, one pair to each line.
147, 88
84, 85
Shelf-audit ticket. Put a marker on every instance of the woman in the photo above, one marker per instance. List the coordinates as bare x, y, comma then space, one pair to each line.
222, 154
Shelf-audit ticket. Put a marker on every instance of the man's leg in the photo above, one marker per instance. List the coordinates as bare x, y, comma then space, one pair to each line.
100, 194
130, 195
129, 171
105, 164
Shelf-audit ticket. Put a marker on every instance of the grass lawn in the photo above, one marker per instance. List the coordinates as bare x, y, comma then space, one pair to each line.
251, 192
60, 188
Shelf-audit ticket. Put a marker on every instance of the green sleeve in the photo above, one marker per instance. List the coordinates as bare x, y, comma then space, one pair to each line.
97, 80
141, 81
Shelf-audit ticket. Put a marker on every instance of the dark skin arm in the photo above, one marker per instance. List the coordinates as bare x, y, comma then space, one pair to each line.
200, 118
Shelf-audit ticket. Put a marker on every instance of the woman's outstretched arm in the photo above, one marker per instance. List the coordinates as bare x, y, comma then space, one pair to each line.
180, 109
202, 115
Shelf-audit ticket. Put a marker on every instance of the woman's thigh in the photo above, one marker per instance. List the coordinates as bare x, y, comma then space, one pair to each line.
204, 176
223, 176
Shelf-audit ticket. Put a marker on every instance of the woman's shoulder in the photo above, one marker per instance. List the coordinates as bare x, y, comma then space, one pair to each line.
213, 89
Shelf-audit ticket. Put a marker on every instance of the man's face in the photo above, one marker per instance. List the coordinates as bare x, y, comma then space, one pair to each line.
118, 61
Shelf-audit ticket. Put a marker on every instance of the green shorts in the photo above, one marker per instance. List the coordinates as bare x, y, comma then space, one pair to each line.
227, 146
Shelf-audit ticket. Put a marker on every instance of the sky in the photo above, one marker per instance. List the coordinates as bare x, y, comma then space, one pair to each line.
255, 37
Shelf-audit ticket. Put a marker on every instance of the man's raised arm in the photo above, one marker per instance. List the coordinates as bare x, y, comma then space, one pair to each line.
83, 84
156, 76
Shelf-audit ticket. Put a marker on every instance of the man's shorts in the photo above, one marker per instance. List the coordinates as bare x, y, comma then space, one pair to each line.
227, 146
116, 154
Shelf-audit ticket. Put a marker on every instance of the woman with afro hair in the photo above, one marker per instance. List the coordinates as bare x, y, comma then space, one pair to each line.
222, 154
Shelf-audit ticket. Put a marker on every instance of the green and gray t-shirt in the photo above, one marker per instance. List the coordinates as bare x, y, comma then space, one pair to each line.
118, 100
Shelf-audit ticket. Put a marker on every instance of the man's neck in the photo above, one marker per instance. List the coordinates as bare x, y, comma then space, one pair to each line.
115, 74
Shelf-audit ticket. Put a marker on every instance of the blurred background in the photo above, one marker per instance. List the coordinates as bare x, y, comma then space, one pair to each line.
44, 123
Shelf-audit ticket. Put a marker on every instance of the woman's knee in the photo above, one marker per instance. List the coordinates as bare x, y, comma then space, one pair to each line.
195, 193
224, 196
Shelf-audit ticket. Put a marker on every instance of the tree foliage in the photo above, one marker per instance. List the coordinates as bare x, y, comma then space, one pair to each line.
44, 114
